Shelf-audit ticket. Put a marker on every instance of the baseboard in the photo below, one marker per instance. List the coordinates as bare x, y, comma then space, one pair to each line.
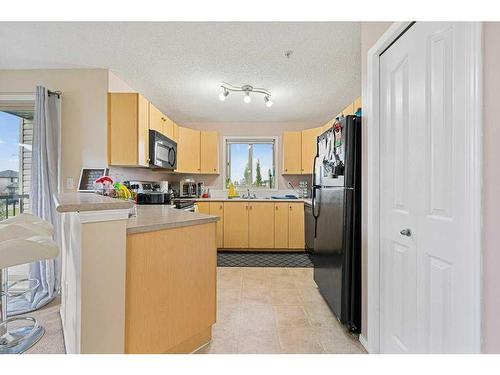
364, 341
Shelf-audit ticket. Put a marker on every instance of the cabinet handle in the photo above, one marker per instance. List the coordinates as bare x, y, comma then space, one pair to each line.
250, 207
221, 207
276, 208
290, 208
286, 170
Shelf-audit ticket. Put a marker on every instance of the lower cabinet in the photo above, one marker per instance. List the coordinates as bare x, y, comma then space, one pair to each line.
296, 231
236, 225
281, 225
260, 225
217, 209
257, 225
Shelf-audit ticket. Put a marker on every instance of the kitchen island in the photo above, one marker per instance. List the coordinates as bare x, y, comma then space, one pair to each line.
144, 284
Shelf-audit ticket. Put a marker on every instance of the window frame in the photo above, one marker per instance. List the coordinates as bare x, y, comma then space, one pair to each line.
227, 140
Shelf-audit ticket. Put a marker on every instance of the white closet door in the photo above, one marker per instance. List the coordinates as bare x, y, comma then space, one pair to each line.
398, 204
426, 277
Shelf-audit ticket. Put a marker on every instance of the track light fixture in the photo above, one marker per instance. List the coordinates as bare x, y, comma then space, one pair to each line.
247, 89
223, 95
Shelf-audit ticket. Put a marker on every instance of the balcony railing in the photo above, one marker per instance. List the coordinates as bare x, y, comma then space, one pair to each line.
12, 205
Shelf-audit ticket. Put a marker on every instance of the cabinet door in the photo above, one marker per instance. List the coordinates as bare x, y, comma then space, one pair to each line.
292, 150
168, 127
176, 132
281, 225
155, 119
235, 225
217, 209
209, 159
349, 110
122, 129
309, 138
188, 150
357, 104
260, 225
296, 231
143, 131
203, 207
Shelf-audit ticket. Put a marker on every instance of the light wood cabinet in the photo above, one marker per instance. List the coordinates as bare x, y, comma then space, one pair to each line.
281, 225
349, 110
217, 209
357, 104
159, 122
203, 207
155, 119
235, 225
296, 234
170, 293
209, 159
128, 123
260, 225
176, 132
309, 140
188, 151
292, 152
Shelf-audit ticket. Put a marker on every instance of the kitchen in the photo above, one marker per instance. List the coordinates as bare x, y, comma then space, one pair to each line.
226, 180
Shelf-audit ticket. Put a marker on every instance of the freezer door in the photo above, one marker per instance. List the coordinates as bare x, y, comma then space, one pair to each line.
328, 246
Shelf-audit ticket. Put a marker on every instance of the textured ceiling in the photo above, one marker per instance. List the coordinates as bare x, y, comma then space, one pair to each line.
178, 66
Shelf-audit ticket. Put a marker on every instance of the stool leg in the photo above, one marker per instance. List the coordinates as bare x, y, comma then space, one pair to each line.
15, 338
3, 303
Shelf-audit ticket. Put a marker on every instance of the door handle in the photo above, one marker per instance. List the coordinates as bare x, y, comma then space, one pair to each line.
406, 232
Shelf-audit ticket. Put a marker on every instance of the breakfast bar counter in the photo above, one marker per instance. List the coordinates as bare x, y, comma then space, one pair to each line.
139, 284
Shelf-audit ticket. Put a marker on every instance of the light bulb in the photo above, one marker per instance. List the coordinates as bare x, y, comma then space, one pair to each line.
247, 99
223, 95
268, 101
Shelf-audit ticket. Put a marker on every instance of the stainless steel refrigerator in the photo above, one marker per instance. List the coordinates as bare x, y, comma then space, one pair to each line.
336, 205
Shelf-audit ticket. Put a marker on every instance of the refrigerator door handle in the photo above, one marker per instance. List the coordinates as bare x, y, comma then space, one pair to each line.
314, 170
314, 203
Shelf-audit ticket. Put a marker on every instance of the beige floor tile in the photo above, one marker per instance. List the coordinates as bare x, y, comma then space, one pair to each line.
228, 296
228, 315
255, 273
255, 295
277, 271
282, 282
297, 340
251, 341
257, 317
220, 345
285, 297
290, 316
254, 282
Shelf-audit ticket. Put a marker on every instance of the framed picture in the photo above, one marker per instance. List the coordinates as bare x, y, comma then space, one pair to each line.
88, 176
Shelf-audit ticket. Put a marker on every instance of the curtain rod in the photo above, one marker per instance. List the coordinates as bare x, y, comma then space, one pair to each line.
56, 93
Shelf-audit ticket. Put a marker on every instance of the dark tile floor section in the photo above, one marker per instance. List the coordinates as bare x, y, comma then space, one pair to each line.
263, 259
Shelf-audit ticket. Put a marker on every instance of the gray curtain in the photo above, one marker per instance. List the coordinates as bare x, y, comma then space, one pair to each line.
44, 184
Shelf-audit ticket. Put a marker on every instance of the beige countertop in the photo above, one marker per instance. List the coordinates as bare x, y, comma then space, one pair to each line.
76, 202
150, 218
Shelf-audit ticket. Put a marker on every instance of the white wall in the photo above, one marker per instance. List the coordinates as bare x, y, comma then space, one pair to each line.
491, 183
370, 33
83, 112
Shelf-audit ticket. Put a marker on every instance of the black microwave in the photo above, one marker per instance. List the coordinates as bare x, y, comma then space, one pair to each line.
162, 151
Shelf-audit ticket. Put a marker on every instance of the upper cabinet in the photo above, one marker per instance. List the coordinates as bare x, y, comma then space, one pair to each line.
292, 152
128, 124
159, 122
299, 148
209, 152
357, 104
309, 138
188, 151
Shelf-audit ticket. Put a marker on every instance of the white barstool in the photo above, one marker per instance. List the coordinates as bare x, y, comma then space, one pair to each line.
23, 239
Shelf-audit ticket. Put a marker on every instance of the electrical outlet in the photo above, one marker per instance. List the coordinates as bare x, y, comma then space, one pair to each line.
69, 183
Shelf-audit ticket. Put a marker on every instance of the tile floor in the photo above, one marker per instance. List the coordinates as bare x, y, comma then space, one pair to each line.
275, 310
